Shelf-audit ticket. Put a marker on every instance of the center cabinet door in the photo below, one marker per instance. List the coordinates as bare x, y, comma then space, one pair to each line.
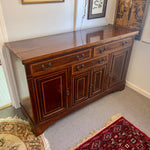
97, 80
80, 87
51, 93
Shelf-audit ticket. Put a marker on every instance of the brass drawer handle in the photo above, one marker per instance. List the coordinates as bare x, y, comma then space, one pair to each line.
49, 66
91, 85
125, 43
102, 50
109, 74
67, 92
80, 68
101, 61
80, 58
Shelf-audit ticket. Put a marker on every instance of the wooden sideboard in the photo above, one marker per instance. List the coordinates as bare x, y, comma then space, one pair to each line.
60, 73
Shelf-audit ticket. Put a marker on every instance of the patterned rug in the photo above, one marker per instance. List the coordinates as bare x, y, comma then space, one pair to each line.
118, 134
16, 134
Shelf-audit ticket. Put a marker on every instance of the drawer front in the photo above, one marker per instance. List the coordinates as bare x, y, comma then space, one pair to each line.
88, 64
99, 50
50, 65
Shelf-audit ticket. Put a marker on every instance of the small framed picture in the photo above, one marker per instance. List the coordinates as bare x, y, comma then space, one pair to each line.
97, 9
40, 1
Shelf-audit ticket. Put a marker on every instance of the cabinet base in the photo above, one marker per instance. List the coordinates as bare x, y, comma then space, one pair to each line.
40, 127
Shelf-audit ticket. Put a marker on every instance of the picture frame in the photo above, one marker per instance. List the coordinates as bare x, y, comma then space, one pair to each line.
40, 1
97, 9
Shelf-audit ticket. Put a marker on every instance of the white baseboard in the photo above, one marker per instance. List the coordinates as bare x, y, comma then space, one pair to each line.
137, 89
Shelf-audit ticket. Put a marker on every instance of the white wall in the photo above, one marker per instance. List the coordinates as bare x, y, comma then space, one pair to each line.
146, 31
108, 19
5, 59
31, 20
138, 76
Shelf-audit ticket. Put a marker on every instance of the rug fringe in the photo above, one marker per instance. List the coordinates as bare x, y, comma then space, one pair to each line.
15, 118
93, 133
46, 143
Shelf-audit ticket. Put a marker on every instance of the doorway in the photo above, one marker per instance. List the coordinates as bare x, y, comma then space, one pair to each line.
5, 100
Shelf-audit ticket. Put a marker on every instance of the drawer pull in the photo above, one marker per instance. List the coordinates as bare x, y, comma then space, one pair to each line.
101, 61
80, 68
91, 86
80, 58
49, 66
109, 74
67, 92
103, 50
125, 43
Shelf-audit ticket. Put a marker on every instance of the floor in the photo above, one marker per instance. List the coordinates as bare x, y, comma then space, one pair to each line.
68, 131
4, 94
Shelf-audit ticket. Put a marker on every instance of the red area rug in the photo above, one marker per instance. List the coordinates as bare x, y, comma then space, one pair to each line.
120, 135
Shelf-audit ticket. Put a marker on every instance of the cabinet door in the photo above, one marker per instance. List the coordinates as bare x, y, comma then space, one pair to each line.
118, 66
80, 87
51, 93
97, 80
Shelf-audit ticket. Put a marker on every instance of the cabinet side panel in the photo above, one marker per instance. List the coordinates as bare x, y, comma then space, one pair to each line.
22, 85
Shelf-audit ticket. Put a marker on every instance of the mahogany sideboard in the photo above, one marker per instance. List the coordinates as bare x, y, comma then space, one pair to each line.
58, 74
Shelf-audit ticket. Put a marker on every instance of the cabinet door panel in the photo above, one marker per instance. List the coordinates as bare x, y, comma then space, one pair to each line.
80, 87
51, 93
118, 66
97, 81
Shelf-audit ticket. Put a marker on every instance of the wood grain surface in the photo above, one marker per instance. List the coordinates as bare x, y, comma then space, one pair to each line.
43, 47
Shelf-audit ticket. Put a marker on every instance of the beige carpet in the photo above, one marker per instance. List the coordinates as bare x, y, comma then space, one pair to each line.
68, 131
94, 132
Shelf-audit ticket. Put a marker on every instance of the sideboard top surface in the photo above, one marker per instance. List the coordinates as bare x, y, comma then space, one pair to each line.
42, 47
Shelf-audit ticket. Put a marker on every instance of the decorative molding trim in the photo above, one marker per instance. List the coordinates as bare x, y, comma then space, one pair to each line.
137, 89
7, 64
3, 33
6, 106
75, 14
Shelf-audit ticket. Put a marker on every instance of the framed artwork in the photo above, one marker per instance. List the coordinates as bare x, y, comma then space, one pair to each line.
40, 1
97, 8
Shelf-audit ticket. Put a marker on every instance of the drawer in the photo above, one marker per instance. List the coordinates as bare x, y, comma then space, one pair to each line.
88, 64
112, 46
52, 64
